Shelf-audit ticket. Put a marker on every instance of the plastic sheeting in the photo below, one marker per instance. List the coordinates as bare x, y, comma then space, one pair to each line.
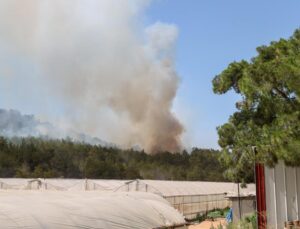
60, 184
188, 197
184, 188
163, 188
77, 209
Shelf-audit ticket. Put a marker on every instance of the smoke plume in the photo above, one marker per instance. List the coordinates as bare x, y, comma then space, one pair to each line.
115, 78
12, 123
15, 124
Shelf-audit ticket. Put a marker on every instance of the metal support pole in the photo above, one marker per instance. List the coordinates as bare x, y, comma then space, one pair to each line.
239, 199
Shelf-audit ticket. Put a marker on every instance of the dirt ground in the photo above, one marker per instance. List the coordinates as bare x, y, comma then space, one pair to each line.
207, 224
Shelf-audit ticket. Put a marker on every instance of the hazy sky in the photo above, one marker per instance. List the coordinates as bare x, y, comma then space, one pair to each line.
212, 34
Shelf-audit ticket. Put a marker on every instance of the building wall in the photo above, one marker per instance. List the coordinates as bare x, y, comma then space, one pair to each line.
282, 194
191, 206
247, 207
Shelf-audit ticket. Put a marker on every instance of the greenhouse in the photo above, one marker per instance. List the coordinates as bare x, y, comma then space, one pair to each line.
191, 198
177, 199
62, 210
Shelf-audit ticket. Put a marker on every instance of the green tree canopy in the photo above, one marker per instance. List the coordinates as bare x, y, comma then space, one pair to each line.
266, 126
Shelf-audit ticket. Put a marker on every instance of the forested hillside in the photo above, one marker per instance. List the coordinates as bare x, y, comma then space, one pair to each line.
34, 157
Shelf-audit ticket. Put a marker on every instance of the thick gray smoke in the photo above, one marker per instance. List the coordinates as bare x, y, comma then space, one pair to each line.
115, 78
15, 124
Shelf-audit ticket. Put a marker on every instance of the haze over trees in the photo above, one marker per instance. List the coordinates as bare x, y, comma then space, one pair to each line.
266, 126
42, 158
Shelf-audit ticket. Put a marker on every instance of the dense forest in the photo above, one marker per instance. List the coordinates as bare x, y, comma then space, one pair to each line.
36, 157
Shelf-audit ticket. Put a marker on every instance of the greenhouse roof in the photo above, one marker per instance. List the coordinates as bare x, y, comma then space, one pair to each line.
163, 188
78, 209
184, 188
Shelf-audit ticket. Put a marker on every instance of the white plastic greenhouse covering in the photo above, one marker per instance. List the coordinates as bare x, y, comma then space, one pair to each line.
163, 188
189, 197
78, 209
184, 188
60, 184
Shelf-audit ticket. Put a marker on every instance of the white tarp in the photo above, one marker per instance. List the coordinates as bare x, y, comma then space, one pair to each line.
185, 188
79, 209
188, 197
60, 184
163, 188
